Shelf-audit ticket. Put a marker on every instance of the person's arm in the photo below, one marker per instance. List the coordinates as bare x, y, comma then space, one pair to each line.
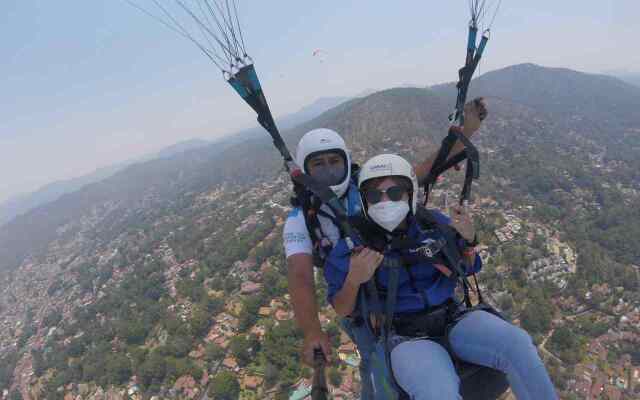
345, 300
362, 266
299, 249
305, 308
475, 111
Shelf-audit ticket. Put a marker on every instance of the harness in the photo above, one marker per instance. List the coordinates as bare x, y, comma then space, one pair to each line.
311, 206
434, 322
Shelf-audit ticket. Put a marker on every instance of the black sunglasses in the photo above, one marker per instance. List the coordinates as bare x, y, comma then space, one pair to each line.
394, 193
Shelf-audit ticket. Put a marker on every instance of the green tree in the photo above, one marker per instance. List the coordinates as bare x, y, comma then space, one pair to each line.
280, 348
138, 355
178, 346
239, 346
52, 319
505, 302
153, 369
249, 314
38, 362
176, 367
213, 352
537, 314
118, 368
28, 331
76, 347
270, 374
134, 331
225, 386
213, 305
563, 339
200, 321
94, 368
567, 345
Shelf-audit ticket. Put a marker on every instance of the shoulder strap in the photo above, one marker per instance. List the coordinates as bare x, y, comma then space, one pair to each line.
310, 206
392, 291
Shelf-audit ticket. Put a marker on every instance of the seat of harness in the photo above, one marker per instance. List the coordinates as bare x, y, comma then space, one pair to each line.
432, 322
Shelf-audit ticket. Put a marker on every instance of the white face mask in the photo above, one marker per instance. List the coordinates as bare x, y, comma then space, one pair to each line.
389, 214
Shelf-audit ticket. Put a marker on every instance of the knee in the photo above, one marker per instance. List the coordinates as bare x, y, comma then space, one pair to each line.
519, 343
425, 375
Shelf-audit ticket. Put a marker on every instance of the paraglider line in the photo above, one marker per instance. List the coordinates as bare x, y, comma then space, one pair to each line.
202, 25
233, 33
204, 32
235, 7
180, 31
228, 29
495, 14
221, 28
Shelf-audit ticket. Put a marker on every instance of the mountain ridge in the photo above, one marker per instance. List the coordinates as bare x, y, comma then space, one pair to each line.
22, 203
418, 113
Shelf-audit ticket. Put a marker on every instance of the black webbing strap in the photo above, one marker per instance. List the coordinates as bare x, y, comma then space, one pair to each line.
454, 259
480, 298
392, 290
450, 163
441, 158
372, 293
472, 170
328, 197
442, 163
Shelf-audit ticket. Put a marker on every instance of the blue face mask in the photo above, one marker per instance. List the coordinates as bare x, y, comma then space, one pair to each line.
329, 175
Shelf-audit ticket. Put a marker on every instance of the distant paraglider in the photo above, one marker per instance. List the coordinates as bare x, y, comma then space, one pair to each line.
319, 55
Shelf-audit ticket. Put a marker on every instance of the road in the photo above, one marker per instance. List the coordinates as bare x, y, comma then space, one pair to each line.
544, 350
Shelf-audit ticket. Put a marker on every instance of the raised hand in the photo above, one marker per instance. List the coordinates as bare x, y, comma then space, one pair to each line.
363, 265
475, 112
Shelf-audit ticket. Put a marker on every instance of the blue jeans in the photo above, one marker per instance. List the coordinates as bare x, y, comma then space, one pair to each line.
425, 370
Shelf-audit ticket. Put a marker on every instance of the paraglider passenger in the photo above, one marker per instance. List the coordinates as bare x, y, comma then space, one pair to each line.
423, 368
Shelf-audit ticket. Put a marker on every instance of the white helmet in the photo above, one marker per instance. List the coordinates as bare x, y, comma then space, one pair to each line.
320, 141
390, 165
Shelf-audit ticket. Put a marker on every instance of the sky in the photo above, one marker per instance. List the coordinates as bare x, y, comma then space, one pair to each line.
89, 83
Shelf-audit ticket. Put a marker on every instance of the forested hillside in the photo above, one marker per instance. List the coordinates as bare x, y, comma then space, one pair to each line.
172, 271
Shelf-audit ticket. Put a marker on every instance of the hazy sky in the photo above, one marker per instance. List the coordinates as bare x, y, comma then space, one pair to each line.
86, 83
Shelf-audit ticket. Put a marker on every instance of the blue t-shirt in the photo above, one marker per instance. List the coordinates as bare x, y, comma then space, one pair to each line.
436, 286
